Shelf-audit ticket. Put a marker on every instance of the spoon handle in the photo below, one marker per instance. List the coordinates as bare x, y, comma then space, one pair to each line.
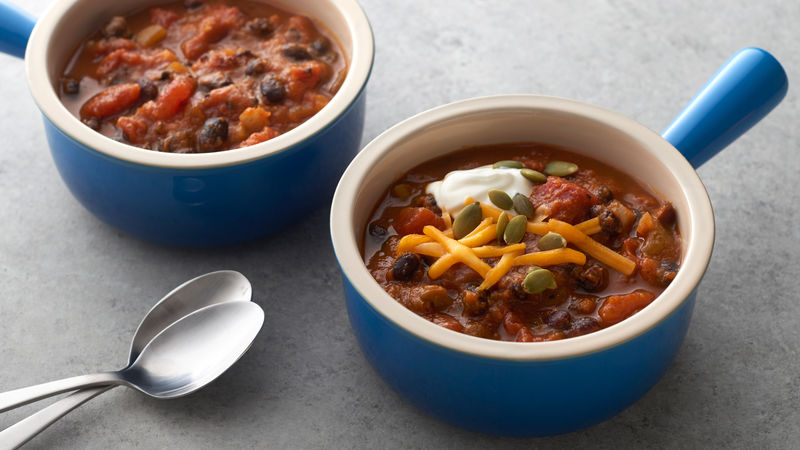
23, 396
24, 430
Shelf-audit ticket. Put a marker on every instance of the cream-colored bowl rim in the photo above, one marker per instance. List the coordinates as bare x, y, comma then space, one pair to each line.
50, 105
696, 257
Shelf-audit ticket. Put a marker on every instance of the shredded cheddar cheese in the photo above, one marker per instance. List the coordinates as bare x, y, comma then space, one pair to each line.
493, 251
463, 253
481, 226
591, 226
433, 249
483, 237
448, 221
597, 250
539, 228
441, 265
472, 249
409, 241
499, 270
551, 258
437, 250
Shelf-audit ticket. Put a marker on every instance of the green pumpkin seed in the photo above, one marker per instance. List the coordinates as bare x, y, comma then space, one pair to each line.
515, 230
508, 164
538, 280
522, 205
560, 168
551, 241
466, 220
402, 191
500, 199
533, 175
502, 222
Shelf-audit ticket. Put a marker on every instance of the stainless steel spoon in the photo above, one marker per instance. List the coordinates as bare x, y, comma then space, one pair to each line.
183, 358
212, 288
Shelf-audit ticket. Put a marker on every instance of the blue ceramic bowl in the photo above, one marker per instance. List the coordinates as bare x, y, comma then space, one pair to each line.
534, 389
193, 200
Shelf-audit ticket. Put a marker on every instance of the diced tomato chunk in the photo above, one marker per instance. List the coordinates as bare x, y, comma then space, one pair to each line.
412, 220
133, 127
105, 46
212, 29
111, 101
303, 25
163, 17
617, 308
260, 136
172, 98
447, 321
305, 77
513, 323
564, 200
229, 101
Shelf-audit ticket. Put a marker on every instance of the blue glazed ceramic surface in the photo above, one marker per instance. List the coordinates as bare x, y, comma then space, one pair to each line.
193, 200
211, 206
535, 389
516, 398
510, 388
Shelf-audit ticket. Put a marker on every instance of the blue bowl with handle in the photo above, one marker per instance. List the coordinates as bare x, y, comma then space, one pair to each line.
193, 200
543, 388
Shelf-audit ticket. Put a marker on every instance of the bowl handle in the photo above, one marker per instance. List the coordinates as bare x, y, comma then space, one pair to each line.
15, 28
741, 93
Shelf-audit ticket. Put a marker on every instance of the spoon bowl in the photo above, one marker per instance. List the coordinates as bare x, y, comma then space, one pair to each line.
195, 350
212, 288
222, 286
184, 357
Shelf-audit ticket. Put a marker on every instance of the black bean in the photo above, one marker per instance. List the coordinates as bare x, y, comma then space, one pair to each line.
116, 27
583, 325
255, 67
320, 46
296, 52
192, 4
148, 89
273, 89
260, 27
213, 81
213, 134
592, 277
558, 319
70, 85
377, 230
405, 266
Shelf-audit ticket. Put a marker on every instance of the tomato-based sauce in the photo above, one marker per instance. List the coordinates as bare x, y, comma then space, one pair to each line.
609, 247
204, 76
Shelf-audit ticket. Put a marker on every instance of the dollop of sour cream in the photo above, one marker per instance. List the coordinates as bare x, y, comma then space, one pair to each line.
457, 185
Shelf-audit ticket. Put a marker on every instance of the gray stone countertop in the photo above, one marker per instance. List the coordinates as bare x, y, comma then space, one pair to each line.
73, 289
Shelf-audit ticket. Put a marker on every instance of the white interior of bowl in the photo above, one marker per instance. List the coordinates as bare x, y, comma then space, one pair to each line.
59, 31
586, 129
